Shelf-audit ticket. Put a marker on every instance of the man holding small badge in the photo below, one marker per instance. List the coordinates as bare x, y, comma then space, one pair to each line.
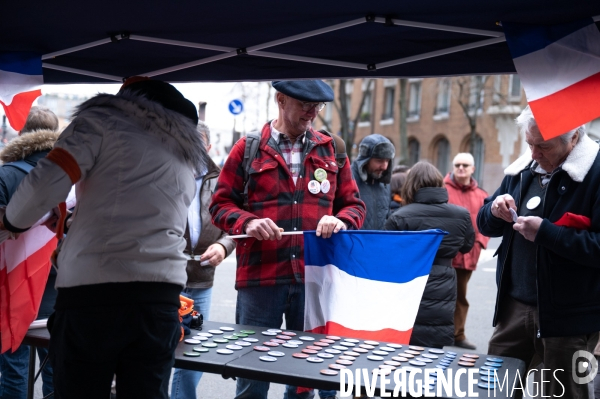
548, 276
293, 184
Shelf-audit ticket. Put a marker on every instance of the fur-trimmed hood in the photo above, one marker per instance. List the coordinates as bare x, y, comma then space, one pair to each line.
182, 137
28, 144
577, 165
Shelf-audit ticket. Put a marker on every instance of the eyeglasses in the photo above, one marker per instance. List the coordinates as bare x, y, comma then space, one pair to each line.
306, 106
464, 165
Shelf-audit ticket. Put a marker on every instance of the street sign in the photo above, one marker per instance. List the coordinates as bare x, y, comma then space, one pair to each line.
236, 107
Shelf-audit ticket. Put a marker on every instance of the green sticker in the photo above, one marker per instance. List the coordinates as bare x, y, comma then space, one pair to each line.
191, 354
241, 335
220, 340
249, 332
209, 345
230, 336
320, 175
200, 349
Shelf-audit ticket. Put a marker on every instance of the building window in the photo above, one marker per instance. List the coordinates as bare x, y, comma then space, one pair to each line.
475, 89
388, 106
514, 88
414, 100
443, 98
442, 155
414, 151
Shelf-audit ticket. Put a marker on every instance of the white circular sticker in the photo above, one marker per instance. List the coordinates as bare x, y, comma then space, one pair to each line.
325, 186
314, 187
533, 202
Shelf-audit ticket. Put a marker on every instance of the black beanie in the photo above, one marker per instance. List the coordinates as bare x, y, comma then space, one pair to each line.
164, 94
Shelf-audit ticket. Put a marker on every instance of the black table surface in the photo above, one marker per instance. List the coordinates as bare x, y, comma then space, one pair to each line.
287, 369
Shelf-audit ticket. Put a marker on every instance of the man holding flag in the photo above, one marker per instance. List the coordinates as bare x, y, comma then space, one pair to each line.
547, 211
294, 184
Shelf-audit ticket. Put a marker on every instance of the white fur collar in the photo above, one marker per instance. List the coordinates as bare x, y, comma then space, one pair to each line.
176, 131
577, 164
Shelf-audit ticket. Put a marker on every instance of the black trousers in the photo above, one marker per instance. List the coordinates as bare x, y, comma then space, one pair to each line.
136, 343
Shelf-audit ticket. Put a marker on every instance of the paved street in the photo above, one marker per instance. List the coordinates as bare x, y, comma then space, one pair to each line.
481, 295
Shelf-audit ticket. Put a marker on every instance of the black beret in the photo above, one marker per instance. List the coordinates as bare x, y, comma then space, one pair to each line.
166, 95
305, 90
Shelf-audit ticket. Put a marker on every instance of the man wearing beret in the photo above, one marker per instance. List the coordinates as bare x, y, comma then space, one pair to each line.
294, 184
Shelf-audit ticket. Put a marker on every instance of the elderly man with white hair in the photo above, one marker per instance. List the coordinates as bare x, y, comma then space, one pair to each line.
547, 211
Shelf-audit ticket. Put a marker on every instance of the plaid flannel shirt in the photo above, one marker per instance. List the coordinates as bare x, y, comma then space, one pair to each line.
273, 194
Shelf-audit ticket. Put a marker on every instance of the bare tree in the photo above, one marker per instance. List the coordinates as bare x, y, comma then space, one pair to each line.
471, 93
348, 124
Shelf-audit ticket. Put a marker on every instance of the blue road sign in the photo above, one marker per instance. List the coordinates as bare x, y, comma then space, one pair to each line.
236, 107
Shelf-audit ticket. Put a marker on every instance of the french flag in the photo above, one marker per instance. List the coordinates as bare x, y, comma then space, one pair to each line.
24, 268
367, 284
559, 67
20, 82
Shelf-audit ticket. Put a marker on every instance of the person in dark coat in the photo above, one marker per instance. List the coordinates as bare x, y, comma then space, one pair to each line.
426, 207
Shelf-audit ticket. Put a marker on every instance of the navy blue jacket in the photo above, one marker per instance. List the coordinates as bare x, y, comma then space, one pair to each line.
568, 260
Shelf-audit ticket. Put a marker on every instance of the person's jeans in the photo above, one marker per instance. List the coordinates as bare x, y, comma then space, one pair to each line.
185, 382
14, 373
266, 307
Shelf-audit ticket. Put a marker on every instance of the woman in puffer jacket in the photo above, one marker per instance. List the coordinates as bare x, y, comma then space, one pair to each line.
425, 201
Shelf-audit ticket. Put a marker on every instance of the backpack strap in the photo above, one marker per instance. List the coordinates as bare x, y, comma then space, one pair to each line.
250, 151
21, 165
339, 146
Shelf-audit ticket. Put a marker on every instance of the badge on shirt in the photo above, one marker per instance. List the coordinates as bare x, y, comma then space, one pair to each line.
533, 202
320, 175
314, 187
325, 186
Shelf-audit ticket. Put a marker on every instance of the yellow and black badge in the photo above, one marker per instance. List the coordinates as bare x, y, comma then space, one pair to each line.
320, 175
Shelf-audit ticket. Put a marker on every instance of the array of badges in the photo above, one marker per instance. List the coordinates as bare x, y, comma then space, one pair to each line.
320, 183
389, 355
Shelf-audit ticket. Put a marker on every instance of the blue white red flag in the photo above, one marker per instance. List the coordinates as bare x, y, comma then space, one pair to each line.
20, 82
367, 284
559, 67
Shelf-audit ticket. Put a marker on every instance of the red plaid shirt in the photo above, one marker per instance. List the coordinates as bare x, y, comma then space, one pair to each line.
273, 194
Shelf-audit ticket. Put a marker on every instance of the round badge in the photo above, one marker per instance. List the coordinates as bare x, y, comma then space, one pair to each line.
276, 353
360, 350
329, 372
224, 351
387, 349
494, 359
354, 341
314, 348
325, 355
400, 358
376, 358
485, 378
250, 340
209, 344
436, 351
423, 359
269, 343
288, 345
283, 337
314, 187
220, 340
466, 364
309, 351
336, 352
201, 338
441, 366
450, 353
416, 348
322, 344
289, 333
408, 355
367, 346
387, 366
371, 343
429, 356
241, 335
344, 362
395, 346
275, 330
412, 352
261, 348
392, 363
269, 333
306, 338
226, 329
314, 359
249, 332
486, 385
300, 355
200, 349
336, 366
325, 187
230, 337
471, 355
278, 341
533, 202
348, 344
295, 342
493, 364
380, 353
242, 343
320, 175
191, 354
333, 337
327, 341
346, 357
192, 341
215, 332
268, 358
351, 353
234, 347
466, 359
417, 363
204, 334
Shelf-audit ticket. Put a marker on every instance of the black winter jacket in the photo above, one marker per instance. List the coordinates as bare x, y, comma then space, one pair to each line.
434, 325
568, 270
